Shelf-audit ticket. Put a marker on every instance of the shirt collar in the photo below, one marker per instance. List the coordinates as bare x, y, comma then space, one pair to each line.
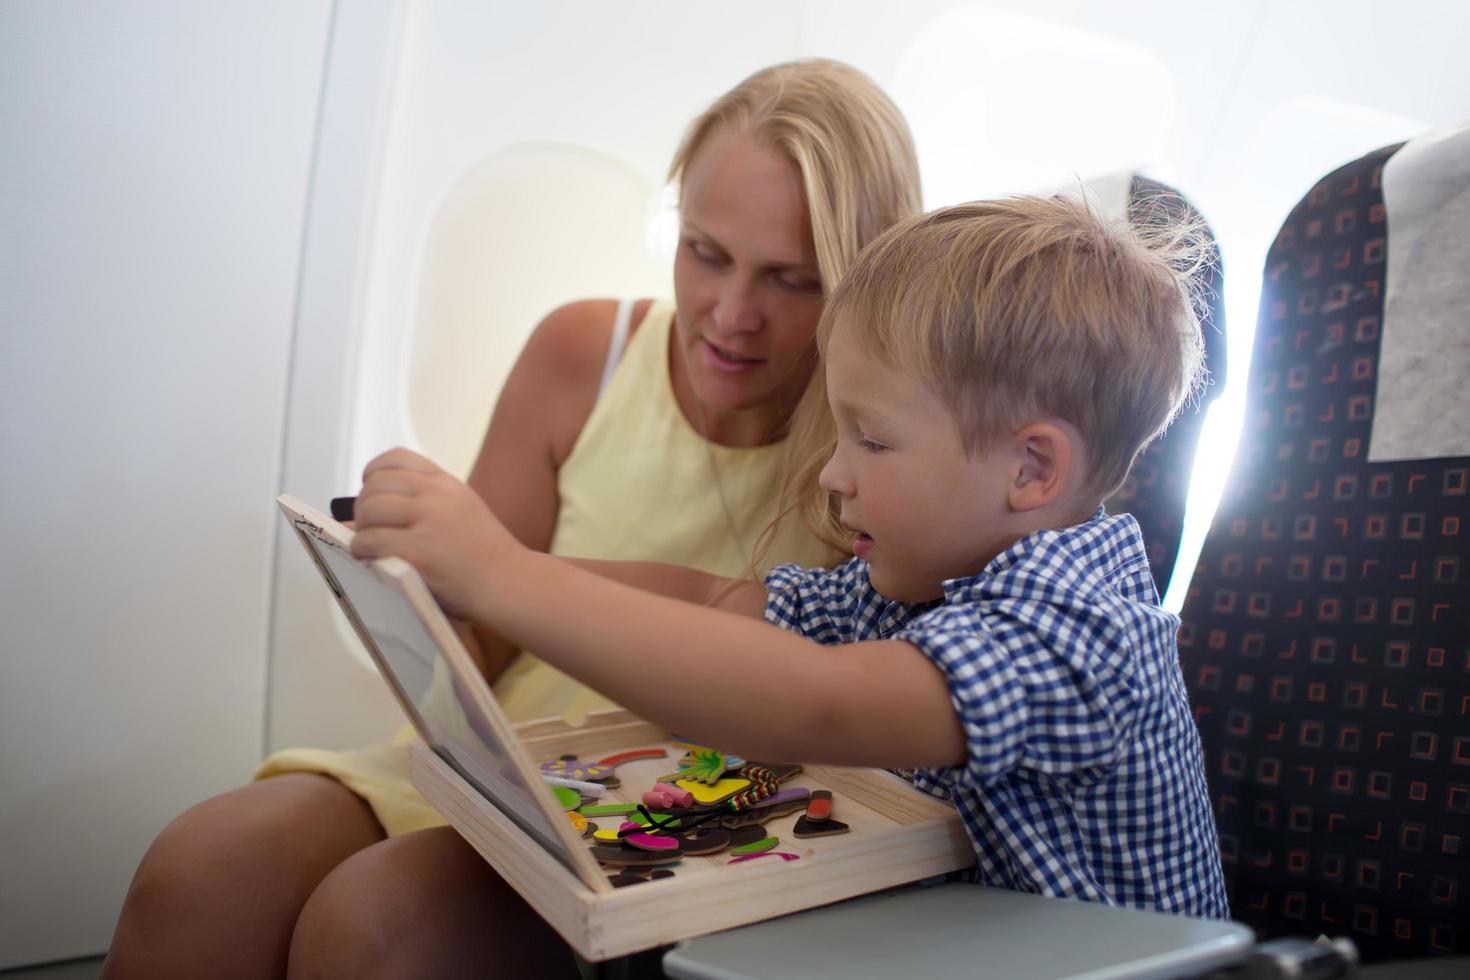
1098, 528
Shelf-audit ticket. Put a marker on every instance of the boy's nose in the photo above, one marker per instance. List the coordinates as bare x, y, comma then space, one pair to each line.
832, 479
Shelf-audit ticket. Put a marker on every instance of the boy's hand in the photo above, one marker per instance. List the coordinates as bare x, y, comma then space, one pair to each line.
411, 509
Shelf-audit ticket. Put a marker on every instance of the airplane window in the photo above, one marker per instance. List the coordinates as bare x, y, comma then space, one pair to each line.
1002, 103
526, 229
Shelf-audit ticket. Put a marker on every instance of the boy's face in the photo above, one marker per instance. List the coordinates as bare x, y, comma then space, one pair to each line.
922, 510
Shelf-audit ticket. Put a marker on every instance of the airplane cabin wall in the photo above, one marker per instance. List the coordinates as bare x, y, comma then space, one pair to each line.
156, 159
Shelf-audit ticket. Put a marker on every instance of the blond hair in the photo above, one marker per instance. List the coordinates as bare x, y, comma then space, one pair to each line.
1027, 307
860, 175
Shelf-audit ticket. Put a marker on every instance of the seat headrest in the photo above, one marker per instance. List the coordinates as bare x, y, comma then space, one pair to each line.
1424, 355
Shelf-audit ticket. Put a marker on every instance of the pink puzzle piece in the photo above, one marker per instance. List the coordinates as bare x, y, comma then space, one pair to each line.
666, 797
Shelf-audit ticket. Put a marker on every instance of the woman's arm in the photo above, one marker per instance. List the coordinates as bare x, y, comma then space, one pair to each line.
546, 401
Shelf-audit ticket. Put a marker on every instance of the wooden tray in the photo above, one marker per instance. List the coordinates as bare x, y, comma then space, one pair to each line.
898, 835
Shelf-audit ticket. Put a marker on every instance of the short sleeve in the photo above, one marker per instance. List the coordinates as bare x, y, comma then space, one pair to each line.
821, 604
1024, 705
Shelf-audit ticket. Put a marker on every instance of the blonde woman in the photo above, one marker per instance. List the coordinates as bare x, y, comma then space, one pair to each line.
646, 430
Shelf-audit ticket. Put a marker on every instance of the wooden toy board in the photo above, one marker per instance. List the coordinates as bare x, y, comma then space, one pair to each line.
484, 776
898, 835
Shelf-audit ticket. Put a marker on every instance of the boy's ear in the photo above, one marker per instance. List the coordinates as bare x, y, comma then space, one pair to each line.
1044, 456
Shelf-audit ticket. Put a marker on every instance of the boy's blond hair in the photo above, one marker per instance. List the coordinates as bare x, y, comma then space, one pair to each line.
860, 175
1032, 307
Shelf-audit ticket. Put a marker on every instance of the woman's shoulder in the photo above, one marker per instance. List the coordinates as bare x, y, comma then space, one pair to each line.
573, 338
566, 354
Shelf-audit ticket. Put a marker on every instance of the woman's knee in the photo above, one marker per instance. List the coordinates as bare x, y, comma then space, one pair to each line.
235, 870
426, 905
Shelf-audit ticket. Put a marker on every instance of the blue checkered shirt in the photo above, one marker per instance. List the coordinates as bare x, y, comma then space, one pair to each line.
1085, 777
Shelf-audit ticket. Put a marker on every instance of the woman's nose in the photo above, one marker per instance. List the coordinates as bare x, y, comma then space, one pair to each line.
735, 309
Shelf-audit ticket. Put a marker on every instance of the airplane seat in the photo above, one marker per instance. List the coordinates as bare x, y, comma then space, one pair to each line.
1157, 486
1326, 634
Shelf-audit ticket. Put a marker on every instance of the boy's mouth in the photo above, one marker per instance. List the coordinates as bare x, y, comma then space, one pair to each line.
862, 542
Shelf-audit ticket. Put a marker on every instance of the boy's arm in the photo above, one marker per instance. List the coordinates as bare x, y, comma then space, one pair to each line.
746, 686
723, 678
492, 652
743, 596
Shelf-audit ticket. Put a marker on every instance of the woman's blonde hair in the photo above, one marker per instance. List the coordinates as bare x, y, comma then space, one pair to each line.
1027, 307
860, 175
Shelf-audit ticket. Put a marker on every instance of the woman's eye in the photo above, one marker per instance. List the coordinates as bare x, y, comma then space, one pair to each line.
869, 445
798, 284
704, 252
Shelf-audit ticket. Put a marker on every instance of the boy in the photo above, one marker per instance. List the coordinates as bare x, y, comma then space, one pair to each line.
992, 369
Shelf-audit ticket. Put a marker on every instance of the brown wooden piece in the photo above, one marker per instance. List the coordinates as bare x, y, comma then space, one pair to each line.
827, 828
625, 857
706, 840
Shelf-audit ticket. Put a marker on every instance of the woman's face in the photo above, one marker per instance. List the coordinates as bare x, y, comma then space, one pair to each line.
745, 280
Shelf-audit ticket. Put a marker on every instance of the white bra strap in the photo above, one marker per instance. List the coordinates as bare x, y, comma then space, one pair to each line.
621, 322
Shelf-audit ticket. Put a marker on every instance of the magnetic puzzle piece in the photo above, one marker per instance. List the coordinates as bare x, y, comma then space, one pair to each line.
635, 877
817, 821
623, 880
566, 798
666, 797
709, 794
572, 769
819, 807
645, 841
781, 770
607, 809
691, 751
741, 836
784, 802
783, 855
706, 840
609, 835
630, 856
701, 765
806, 827
756, 847
633, 756
652, 843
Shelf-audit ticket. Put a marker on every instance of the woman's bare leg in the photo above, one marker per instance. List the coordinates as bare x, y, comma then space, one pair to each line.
220, 889
423, 905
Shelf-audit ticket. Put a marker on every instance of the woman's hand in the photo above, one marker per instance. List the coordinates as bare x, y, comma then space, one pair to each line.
411, 509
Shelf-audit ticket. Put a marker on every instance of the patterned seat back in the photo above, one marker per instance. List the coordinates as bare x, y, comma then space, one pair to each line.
1158, 484
1326, 634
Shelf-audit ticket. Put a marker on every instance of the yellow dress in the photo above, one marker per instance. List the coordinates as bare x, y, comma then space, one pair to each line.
639, 484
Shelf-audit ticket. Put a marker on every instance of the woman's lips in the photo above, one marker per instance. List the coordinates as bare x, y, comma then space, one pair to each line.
862, 544
727, 361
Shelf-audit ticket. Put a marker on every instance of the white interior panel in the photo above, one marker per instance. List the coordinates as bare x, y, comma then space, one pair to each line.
319, 693
156, 158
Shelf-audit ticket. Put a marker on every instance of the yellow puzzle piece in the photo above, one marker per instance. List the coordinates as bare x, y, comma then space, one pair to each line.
704, 793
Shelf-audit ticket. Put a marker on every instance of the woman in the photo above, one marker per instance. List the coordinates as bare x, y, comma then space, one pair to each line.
678, 457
